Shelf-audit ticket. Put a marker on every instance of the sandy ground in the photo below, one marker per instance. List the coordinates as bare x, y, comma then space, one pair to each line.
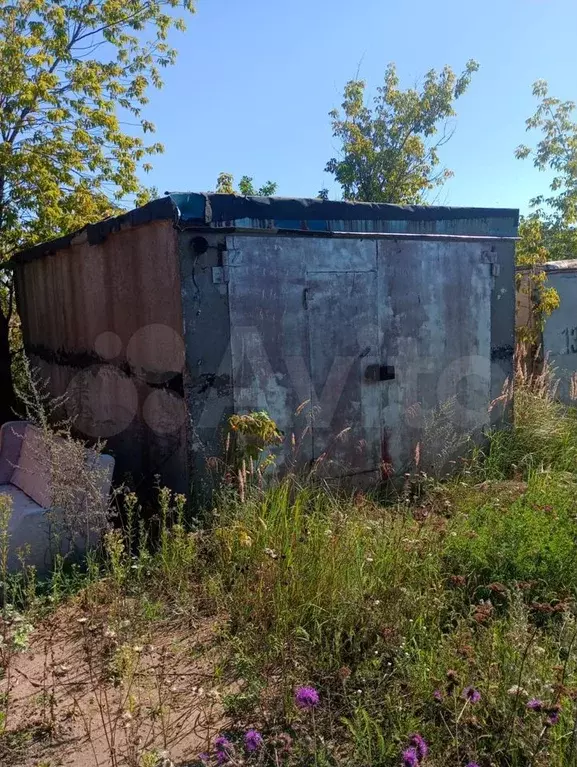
86, 694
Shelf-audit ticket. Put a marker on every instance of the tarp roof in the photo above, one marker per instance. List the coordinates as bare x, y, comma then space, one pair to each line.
230, 211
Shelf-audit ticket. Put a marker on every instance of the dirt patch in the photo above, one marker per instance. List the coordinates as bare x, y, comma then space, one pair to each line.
88, 692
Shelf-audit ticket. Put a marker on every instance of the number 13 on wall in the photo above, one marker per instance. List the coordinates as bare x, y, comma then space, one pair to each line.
570, 335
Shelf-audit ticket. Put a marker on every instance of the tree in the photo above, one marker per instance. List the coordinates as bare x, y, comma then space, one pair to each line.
531, 252
245, 186
225, 185
554, 214
72, 74
549, 232
390, 151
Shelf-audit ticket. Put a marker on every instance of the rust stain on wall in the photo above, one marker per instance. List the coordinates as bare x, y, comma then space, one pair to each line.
103, 323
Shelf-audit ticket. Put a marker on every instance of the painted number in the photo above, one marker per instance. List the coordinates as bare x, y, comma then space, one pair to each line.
570, 340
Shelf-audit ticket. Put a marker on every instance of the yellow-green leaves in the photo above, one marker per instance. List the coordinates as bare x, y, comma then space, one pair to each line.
68, 69
555, 152
532, 251
389, 152
225, 185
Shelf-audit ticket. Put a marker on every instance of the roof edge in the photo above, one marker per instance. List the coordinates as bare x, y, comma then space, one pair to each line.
219, 208
218, 211
157, 210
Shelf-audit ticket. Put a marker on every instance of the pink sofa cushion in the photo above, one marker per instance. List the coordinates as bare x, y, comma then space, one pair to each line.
32, 474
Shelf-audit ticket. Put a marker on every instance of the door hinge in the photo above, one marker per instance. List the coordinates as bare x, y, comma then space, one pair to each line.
492, 258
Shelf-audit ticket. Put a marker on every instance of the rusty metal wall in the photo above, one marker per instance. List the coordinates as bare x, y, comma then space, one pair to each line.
103, 324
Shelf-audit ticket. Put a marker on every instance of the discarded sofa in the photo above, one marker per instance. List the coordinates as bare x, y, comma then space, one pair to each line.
59, 493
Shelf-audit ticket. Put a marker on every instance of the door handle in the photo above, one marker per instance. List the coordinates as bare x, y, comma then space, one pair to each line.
378, 372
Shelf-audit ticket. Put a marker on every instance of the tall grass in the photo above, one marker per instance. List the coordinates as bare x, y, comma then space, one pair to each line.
393, 610
311, 569
543, 434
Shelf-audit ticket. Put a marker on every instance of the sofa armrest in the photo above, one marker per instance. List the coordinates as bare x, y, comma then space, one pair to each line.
11, 438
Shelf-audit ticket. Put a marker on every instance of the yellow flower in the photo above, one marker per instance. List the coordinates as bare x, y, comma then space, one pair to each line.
244, 539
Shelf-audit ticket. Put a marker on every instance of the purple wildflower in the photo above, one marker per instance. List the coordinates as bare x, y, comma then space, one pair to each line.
204, 758
410, 757
471, 694
222, 743
307, 697
223, 749
472, 764
535, 705
420, 745
553, 717
438, 696
252, 740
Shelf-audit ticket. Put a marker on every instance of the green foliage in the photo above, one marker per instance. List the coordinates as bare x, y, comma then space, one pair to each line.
251, 436
532, 247
549, 233
542, 300
361, 599
257, 426
72, 73
389, 610
225, 185
531, 540
556, 153
68, 70
303, 568
246, 187
390, 153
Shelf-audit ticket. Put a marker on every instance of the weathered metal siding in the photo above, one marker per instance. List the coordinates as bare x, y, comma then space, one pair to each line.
313, 320
158, 333
298, 311
203, 293
435, 313
103, 323
559, 336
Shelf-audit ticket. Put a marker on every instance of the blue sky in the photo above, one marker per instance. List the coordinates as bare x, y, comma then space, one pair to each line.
255, 80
